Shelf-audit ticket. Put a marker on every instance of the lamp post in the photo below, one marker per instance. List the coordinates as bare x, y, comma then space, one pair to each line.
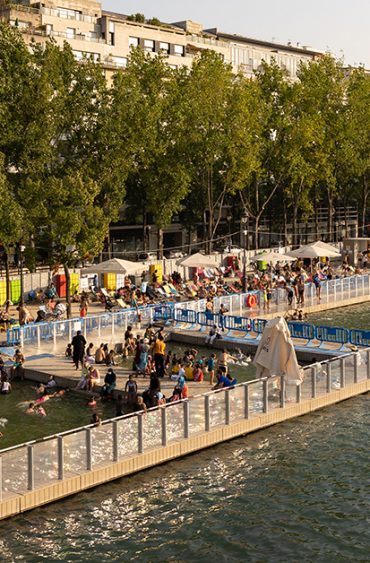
22, 248
244, 224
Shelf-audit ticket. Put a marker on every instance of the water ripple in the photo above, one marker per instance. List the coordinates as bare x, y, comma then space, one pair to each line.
295, 492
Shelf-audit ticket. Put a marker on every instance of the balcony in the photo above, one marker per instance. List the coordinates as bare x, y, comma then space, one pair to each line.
66, 16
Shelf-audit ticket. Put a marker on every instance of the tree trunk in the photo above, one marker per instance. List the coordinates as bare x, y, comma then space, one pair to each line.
256, 232
316, 217
160, 243
365, 195
145, 233
211, 210
285, 225
294, 225
330, 216
68, 291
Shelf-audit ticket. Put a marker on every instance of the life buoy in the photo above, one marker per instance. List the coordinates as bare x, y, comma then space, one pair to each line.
251, 301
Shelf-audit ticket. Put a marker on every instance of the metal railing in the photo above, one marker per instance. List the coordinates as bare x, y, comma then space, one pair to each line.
43, 462
334, 290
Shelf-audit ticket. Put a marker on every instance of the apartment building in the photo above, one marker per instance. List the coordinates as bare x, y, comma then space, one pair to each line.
107, 37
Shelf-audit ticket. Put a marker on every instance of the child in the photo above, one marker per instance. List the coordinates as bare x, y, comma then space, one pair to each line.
211, 368
68, 353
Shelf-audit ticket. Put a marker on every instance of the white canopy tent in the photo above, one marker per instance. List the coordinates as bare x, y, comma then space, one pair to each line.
116, 266
198, 261
316, 250
276, 354
272, 257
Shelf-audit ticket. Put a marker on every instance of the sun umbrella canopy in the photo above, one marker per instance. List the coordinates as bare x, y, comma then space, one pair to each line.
316, 250
198, 261
272, 257
115, 266
276, 354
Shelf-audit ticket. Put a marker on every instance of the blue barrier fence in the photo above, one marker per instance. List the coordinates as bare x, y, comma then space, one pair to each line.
302, 331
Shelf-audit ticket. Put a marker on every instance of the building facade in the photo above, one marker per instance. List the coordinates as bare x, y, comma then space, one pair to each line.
107, 37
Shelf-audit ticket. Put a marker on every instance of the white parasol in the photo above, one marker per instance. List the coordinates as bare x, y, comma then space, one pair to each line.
272, 257
115, 266
197, 261
316, 250
276, 354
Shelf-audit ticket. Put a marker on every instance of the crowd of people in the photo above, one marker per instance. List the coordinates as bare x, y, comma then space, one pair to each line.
151, 360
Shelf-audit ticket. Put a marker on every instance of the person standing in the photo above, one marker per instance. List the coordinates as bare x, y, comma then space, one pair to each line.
78, 345
211, 368
159, 350
83, 308
221, 314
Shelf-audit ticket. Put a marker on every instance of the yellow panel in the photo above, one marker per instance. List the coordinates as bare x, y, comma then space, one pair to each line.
110, 281
2, 292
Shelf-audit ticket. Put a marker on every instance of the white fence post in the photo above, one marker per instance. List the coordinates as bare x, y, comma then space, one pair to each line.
60, 458
30, 469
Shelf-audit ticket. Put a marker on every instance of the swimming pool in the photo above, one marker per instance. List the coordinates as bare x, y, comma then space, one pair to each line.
63, 414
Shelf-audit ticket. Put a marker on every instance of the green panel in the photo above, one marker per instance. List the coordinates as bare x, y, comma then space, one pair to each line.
15, 290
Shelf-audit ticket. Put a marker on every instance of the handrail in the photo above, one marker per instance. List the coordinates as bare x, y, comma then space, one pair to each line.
167, 405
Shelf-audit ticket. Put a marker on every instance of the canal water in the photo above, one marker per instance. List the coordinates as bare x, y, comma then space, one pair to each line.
298, 491
357, 316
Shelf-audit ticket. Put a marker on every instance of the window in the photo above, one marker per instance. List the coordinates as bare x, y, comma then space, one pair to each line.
78, 55
149, 45
164, 47
49, 29
133, 41
71, 32
93, 56
69, 14
120, 61
179, 50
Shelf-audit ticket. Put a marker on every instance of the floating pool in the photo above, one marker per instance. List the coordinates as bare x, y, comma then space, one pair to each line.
63, 414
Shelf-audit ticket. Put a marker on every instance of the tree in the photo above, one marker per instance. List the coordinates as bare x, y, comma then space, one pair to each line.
323, 99
358, 131
270, 109
149, 134
220, 129
12, 221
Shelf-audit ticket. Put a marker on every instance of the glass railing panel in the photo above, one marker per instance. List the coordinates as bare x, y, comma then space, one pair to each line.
175, 422
196, 415
217, 409
128, 437
15, 470
45, 462
75, 453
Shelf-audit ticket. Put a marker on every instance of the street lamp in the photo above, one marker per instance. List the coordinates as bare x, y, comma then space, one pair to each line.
244, 223
22, 248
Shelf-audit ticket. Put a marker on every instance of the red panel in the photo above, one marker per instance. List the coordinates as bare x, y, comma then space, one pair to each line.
61, 285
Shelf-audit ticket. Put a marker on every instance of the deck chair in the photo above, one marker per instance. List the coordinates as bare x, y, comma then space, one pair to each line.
122, 304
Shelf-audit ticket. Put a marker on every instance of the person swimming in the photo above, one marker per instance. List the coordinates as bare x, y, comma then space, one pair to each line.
92, 402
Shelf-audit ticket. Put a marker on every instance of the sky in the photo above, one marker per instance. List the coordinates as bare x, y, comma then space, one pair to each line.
338, 26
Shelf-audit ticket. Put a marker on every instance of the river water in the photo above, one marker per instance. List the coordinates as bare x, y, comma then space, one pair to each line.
299, 491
